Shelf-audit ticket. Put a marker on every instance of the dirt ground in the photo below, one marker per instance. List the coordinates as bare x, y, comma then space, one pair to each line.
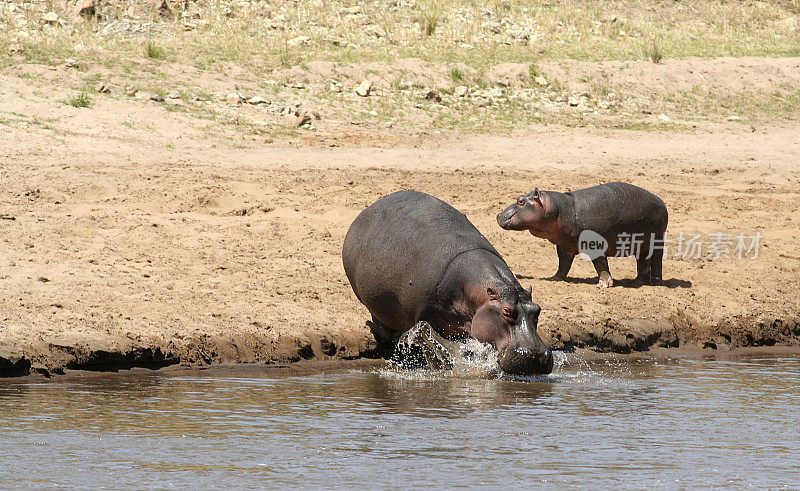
127, 247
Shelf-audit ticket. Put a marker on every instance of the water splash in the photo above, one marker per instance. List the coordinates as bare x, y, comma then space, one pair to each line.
423, 348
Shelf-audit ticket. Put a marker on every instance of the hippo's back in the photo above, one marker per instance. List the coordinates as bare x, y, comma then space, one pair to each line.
619, 207
398, 249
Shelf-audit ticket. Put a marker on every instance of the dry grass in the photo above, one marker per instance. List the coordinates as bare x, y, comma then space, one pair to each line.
256, 34
257, 38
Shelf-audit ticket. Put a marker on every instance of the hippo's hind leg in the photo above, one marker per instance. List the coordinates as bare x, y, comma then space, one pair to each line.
564, 264
601, 266
384, 337
643, 270
656, 258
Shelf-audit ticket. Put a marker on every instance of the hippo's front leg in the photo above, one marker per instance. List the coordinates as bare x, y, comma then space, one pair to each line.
601, 266
385, 338
564, 264
422, 347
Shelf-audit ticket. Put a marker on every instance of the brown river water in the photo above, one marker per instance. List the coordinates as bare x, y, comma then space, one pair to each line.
679, 423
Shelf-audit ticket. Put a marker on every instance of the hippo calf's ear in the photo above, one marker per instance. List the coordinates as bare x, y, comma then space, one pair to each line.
535, 196
492, 293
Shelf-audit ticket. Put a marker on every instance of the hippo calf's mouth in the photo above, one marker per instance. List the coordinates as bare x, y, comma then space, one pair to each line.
503, 222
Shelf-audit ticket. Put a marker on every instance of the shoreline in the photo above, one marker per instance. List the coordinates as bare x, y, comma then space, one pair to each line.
313, 367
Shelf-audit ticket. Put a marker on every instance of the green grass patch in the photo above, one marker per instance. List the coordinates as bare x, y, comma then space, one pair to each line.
153, 50
81, 100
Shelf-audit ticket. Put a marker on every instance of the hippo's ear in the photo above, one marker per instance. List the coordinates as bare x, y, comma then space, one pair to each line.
492, 293
535, 196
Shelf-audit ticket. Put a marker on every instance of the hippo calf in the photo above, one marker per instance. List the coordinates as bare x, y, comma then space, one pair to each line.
631, 221
411, 257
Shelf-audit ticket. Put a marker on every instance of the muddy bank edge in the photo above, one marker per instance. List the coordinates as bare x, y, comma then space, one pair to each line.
679, 333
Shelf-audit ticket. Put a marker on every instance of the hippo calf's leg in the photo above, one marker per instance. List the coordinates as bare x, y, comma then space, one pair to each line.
643, 270
564, 264
601, 266
656, 259
648, 263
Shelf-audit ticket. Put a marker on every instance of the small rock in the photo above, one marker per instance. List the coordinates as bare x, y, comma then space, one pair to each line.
520, 37
339, 42
317, 115
257, 100
482, 103
603, 104
303, 120
664, 118
375, 31
351, 10
433, 95
734, 118
233, 98
157, 97
461, 91
495, 27
70, 63
496, 93
131, 91
14, 48
258, 120
102, 88
573, 101
300, 41
50, 18
364, 88
335, 88
540, 80
85, 7
174, 95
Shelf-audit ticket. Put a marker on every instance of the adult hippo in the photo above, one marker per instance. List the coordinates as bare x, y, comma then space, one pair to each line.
411, 257
625, 219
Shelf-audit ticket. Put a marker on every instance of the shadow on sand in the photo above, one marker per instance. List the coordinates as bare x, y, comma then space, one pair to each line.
624, 282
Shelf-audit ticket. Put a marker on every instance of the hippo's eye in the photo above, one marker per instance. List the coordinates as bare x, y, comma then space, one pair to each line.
510, 312
521, 201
